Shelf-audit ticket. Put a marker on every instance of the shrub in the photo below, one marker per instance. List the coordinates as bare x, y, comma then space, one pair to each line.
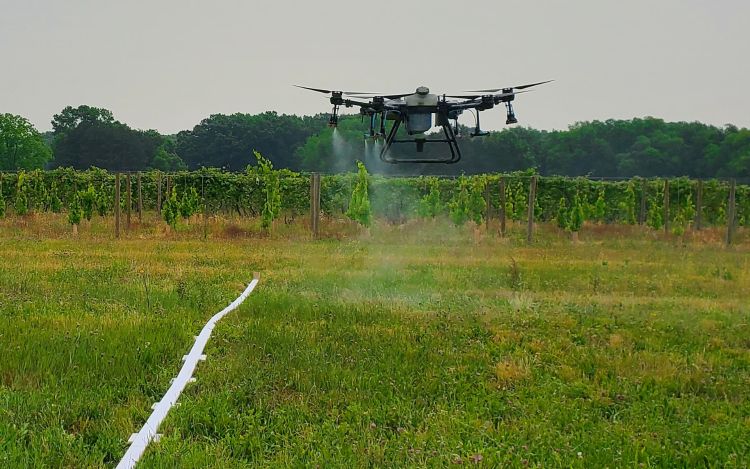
270, 180
679, 223
576, 217
459, 205
21, 204
626, 206
102, 202
171, 209
562, 214
75, 211
88, 201
600, 207
189, 202
654, 216
429, 205
359, 205
519, 202
477, 204
55, 204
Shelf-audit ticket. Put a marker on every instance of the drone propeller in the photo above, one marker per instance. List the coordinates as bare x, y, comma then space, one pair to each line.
320, 90
522, 87
475, 96
378, 95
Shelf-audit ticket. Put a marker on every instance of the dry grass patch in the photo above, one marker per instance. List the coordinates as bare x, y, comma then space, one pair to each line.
511, 371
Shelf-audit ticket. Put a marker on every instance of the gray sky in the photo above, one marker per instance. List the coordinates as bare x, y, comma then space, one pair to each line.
167, 64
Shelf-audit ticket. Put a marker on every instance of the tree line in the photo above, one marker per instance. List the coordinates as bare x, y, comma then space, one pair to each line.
85, 136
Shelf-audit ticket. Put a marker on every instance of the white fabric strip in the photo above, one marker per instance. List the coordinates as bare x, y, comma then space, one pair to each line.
139, 441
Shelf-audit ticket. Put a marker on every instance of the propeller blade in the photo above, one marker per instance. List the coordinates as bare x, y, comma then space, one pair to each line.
386, 96
494, 95
320, 90
314, 89
521, 87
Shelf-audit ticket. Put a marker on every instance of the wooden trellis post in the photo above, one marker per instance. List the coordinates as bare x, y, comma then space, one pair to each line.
502, 206
666, 205
642, 213
699, 205
128, 197
530, 217
158, 192
315, 204
140, 200
205, 209
488, 209
731, 211
117, 205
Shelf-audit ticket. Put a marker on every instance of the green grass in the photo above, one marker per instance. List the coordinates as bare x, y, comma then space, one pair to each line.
415, 346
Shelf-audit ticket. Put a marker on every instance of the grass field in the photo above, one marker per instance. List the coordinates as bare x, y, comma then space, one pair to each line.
421, 345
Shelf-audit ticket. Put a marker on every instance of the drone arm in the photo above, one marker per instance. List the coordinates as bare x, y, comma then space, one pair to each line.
351, 102
465, 105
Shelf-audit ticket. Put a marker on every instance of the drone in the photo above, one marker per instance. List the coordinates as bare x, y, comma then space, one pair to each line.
415, 111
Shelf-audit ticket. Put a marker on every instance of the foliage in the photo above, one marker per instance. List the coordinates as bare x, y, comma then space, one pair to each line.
166, 158
87, 136
430, 205
359, 204
576, 216
75, 210
654, 216
459, 205
626, 206
600, 207
21, 204
88, 200
520, 202
477, 204
102, 202
21, 146
335, 150
70, 118
684, 207
223, 141
679, 223
270, 181
647, 147
562, 214
189, 202
393, 198
55, 204
170, 210
90, 137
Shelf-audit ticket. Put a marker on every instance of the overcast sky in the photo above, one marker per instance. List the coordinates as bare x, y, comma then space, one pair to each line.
167, 64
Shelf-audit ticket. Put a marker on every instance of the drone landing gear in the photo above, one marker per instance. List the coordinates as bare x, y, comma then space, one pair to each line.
450, 139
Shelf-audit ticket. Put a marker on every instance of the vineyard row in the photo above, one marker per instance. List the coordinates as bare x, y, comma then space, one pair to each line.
393, 198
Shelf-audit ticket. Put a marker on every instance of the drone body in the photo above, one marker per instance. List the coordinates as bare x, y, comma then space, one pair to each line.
416, 110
